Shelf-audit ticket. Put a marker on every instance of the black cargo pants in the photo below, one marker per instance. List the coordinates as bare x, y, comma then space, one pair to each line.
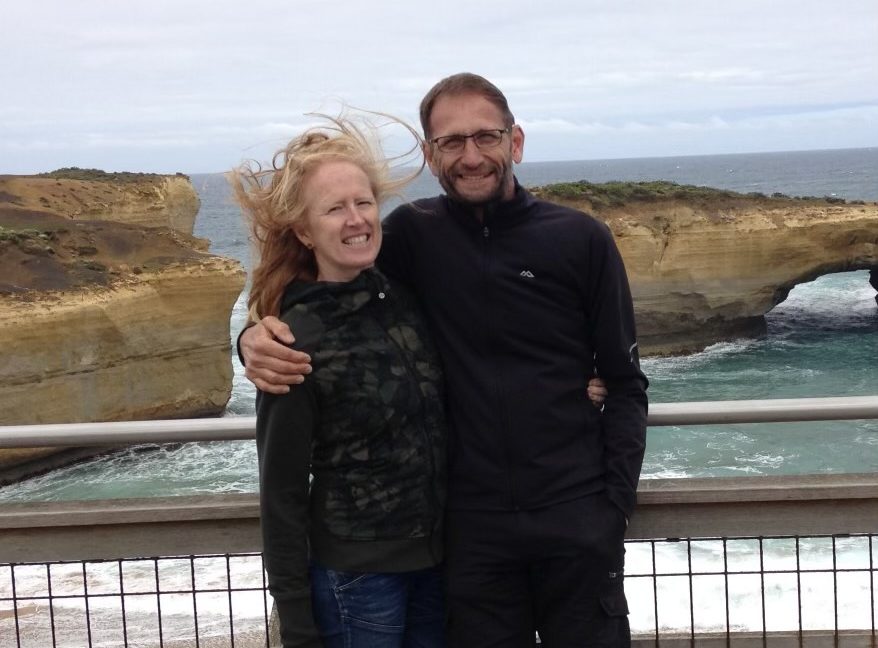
556, 570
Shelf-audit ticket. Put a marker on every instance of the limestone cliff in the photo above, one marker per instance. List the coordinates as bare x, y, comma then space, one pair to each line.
87, 194
706, 265
103, 320
155, 345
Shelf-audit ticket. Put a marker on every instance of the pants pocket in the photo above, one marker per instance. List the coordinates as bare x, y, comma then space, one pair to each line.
612, 594
615, 630
372, 601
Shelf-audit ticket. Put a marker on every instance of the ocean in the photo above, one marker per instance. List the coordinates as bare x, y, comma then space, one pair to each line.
821, 341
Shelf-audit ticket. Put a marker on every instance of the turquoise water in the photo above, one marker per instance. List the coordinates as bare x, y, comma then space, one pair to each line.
821, 341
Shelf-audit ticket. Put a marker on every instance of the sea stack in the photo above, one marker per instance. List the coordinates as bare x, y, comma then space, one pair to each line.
109, 308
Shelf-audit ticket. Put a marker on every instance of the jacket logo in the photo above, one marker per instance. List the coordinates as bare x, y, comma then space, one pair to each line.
526, 273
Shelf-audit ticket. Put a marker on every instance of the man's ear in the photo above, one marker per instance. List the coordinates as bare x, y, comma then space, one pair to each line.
517, 144
427, 148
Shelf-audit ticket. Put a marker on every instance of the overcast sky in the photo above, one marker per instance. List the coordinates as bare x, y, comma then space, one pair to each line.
196, 86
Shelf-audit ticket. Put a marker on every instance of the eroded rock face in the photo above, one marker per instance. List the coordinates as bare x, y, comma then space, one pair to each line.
873, 280
134, 198
706, 268
152, 347
103, 320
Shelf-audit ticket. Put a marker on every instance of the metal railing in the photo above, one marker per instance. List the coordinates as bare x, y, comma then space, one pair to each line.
244, 427
204, 600
756, 561
791, 590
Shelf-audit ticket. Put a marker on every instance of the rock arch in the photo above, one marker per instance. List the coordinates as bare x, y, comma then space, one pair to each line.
706, 265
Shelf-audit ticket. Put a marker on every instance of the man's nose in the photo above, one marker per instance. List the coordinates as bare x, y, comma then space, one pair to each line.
471, 154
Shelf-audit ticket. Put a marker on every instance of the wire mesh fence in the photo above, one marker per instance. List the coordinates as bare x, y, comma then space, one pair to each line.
754, 586
685, 589
199, 601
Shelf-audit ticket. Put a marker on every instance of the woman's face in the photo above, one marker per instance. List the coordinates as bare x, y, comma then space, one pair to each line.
341, 223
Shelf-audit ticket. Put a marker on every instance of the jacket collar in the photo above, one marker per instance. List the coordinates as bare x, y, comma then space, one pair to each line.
347, 296
499, 215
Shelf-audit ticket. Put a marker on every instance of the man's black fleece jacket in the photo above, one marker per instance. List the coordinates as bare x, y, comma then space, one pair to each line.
525, 306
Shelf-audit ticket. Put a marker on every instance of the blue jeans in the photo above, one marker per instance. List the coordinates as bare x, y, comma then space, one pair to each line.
379, 610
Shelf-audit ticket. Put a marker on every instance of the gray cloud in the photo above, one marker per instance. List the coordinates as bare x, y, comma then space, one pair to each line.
194, 86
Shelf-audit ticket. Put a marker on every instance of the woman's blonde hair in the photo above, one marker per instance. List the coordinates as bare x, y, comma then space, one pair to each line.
272, 199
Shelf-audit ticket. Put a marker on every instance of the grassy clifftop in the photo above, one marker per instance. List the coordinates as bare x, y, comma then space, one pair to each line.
73, 227
98, 175
608, 195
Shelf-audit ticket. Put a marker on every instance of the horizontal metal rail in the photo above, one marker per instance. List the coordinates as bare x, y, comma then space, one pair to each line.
779, 410
236, 428
228, 428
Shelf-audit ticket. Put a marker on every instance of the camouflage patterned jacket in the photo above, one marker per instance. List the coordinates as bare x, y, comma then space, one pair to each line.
369, 425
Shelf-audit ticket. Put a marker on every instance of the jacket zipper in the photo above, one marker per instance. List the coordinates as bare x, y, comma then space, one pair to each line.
434, 515
498, 392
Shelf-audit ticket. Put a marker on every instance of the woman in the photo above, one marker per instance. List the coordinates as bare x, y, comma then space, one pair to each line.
368, 424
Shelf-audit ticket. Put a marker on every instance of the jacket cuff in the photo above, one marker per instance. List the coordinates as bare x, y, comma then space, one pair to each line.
297, 629
238, 343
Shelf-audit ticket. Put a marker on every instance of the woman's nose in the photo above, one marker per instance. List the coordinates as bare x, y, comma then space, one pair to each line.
354, 216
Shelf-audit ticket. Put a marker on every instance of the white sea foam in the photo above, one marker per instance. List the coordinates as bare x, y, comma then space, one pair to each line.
215, 612
653, 366
708, 597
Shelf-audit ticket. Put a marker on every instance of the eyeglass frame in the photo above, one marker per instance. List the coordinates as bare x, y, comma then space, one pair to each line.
503, 131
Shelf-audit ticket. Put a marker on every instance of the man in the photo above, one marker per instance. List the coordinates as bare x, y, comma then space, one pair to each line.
525, 299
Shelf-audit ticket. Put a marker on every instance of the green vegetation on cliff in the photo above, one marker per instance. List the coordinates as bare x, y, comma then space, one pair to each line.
617, 194
97, 175
17, 235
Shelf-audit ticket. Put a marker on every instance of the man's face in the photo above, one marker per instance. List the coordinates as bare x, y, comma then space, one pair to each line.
473, 176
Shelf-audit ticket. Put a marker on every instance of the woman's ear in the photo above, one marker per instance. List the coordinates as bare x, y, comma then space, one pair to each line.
304, 237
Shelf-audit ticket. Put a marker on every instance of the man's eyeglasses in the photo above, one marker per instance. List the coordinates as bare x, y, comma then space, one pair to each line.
483, 139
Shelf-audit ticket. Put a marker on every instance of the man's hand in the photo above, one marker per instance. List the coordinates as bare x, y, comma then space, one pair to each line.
269, 363
597, 392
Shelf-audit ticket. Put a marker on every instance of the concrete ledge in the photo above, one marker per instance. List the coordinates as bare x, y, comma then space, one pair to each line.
756, 506
668, 508
114, 529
